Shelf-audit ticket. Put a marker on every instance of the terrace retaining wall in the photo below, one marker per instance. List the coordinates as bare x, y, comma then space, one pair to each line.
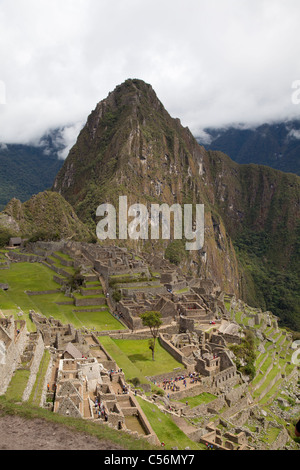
34, 367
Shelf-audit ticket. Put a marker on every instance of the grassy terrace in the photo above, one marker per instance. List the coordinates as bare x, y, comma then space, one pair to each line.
272, 367
63, 255
23, 277
165, 428
204, 397
59, 264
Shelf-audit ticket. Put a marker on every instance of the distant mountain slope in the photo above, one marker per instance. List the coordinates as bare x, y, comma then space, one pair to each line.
46, 215
26, 169
275, 145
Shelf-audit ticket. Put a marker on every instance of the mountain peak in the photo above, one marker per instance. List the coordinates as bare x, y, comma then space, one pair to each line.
129, 96
129, 131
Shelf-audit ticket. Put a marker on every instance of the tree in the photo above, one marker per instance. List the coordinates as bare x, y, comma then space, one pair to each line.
5, 235
153, 321
76, 280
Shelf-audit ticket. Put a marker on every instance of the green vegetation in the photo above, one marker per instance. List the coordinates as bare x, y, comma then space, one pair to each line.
17, 385
36, 393
135, 359
44, 235
269, 287
165, 428
153, 321
204, 397
131, 371
5, 235
26, 170
45, 216
175, 252
23, 277
261, 145
245, 354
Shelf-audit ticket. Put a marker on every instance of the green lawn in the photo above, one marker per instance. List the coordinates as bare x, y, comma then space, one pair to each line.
28, 276
199, 399
101, 321
129, 368
165, 428
134, 357
23, 277
17, 385
141, 356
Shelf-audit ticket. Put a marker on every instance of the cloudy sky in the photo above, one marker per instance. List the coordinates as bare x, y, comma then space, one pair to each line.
211, 62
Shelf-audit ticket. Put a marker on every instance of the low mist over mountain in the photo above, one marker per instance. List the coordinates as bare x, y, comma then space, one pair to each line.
276, 145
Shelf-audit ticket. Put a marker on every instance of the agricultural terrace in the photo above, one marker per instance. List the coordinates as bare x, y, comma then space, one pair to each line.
36, 277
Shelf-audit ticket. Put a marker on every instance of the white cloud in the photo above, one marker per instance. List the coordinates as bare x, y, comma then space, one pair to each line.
211, 63
294, 133
67, 137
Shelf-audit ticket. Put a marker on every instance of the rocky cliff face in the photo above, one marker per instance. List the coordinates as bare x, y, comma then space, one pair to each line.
131, 146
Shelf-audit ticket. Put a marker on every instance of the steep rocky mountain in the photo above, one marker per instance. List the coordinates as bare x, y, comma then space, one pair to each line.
276, 145
131, 146
45, 215
28, 169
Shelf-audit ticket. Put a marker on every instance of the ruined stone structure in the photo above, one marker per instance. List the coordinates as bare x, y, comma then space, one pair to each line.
85, 389
224, 441
193, 305
83, 379
13, 339
57, 335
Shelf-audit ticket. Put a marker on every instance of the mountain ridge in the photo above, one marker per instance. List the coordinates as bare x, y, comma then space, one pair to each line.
131, 145
45, 216
275, 144
27, 169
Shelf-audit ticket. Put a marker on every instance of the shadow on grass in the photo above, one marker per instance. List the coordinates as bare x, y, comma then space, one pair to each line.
139, 357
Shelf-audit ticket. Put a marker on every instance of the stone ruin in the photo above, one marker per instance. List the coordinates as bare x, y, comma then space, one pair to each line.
85, 389
13, 338
194, 307
83, 375
225, 440
196, 331
206, 356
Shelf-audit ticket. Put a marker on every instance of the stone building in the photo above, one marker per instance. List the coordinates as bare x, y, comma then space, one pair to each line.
56, 334
215, 438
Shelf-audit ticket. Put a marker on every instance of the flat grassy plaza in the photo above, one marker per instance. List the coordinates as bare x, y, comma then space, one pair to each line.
135, 358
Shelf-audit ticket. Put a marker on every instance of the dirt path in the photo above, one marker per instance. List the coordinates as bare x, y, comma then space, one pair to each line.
17, 433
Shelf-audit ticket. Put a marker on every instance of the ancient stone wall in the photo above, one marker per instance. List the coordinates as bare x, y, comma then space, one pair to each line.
86, 302
176, 353
11, 353
205, 408
25, 258
34, 366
